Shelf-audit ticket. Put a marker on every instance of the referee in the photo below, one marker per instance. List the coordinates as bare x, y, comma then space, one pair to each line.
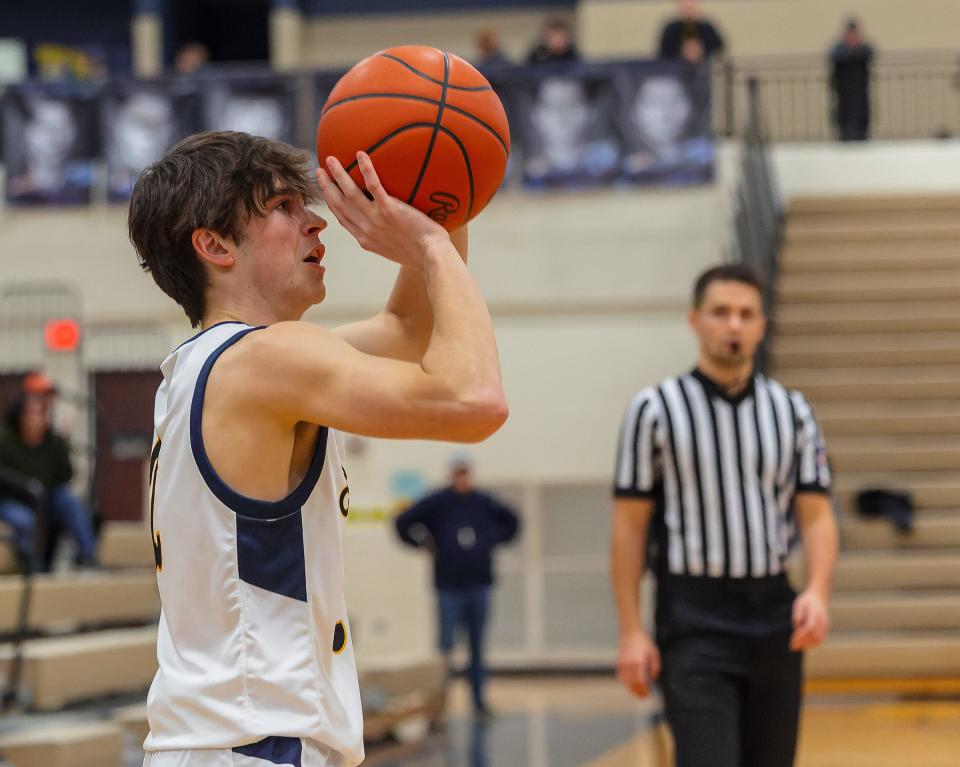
717, 472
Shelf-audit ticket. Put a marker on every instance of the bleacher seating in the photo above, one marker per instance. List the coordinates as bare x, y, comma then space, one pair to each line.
868, 327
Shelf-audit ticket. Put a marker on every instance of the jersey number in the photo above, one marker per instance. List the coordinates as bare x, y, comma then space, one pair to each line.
154, 533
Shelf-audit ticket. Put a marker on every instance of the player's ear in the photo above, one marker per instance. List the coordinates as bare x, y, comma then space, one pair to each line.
213, 248
693, 318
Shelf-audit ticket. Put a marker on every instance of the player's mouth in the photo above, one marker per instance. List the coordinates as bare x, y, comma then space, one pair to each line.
315, 256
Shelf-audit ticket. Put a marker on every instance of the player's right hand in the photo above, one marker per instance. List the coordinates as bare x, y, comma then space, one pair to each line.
638, 663
384, 225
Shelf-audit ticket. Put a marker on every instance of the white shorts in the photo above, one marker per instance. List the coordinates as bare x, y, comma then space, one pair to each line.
311, 755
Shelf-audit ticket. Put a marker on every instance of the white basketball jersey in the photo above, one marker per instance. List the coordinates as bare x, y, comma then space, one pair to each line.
254, 646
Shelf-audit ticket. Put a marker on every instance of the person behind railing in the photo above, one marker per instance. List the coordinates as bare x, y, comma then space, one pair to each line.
489, 52
850, 61
31, 447
689, 36
556, 43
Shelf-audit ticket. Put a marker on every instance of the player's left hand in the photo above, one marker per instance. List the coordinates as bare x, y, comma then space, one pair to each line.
811, 621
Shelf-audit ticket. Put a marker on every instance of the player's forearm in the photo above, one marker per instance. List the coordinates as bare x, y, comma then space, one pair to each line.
462, 352
409, 303
627, 564
820, 537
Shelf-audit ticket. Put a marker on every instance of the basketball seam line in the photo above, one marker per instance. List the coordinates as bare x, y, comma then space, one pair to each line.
425, 100
436, 129
466, 161
380, 142
425, 76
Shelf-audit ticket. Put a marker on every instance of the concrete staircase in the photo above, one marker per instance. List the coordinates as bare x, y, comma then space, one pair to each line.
868, 327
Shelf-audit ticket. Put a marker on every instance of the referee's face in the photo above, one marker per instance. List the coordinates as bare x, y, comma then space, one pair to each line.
729, 322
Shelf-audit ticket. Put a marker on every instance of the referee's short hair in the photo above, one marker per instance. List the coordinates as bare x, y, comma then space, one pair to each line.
726, 273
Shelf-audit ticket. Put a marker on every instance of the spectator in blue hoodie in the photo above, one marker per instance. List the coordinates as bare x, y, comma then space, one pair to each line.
460, 526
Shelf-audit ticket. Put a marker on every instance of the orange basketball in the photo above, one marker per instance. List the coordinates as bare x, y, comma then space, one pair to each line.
431, 123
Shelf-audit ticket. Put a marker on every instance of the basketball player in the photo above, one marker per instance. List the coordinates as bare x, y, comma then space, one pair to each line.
248, 489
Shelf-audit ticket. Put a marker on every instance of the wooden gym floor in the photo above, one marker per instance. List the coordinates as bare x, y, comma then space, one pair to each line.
590, 722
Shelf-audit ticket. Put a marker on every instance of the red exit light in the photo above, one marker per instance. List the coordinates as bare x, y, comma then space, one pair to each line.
62, 335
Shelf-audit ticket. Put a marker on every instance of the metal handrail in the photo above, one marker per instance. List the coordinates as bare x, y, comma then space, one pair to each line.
758, 218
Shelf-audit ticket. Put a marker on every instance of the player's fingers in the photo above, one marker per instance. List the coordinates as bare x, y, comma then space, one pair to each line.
345, 181
371, 179
328, 188
335, 201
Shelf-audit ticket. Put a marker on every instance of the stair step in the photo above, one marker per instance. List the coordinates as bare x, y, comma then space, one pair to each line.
834, 384
943, 231
895, 453
863, 571
126, 544
854, 257
826, 287
81, 598
829, 204
890, 417
868, 317
133, 720
886, 654
81, 744
932, 530
868, 350
930, 489
69, 669
846, 225
932, 611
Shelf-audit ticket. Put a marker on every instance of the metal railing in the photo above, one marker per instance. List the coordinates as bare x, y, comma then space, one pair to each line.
912, 96
758, 214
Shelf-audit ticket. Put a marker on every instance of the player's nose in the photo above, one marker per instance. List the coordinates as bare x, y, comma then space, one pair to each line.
313, 224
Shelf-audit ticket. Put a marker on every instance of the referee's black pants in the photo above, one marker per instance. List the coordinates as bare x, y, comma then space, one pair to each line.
732, 701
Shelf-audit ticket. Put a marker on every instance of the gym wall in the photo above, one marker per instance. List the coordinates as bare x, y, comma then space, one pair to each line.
627, 28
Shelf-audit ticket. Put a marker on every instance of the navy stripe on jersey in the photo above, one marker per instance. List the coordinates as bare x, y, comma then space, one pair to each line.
287, 752
241, 504
270, 554
724, 469
207, 330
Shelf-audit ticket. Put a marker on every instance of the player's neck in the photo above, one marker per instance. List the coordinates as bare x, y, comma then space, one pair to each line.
250, 311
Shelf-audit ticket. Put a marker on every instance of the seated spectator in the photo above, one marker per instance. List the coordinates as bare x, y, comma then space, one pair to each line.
190, 59
31, 447
689, 36
556, 43
490, 52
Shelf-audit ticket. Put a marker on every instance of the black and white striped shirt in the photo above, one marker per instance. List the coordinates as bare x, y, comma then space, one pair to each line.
723, 471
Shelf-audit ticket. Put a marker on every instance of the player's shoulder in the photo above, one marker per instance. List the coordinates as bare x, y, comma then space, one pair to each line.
283, 343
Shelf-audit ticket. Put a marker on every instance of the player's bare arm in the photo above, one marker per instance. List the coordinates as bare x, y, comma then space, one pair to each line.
298, 372
638, 660
818, 532
402, 330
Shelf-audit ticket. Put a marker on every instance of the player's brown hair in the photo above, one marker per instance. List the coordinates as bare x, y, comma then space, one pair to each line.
214, 180
726, 273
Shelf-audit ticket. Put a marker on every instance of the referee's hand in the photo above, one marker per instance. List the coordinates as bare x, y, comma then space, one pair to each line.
811, 621
638, 663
